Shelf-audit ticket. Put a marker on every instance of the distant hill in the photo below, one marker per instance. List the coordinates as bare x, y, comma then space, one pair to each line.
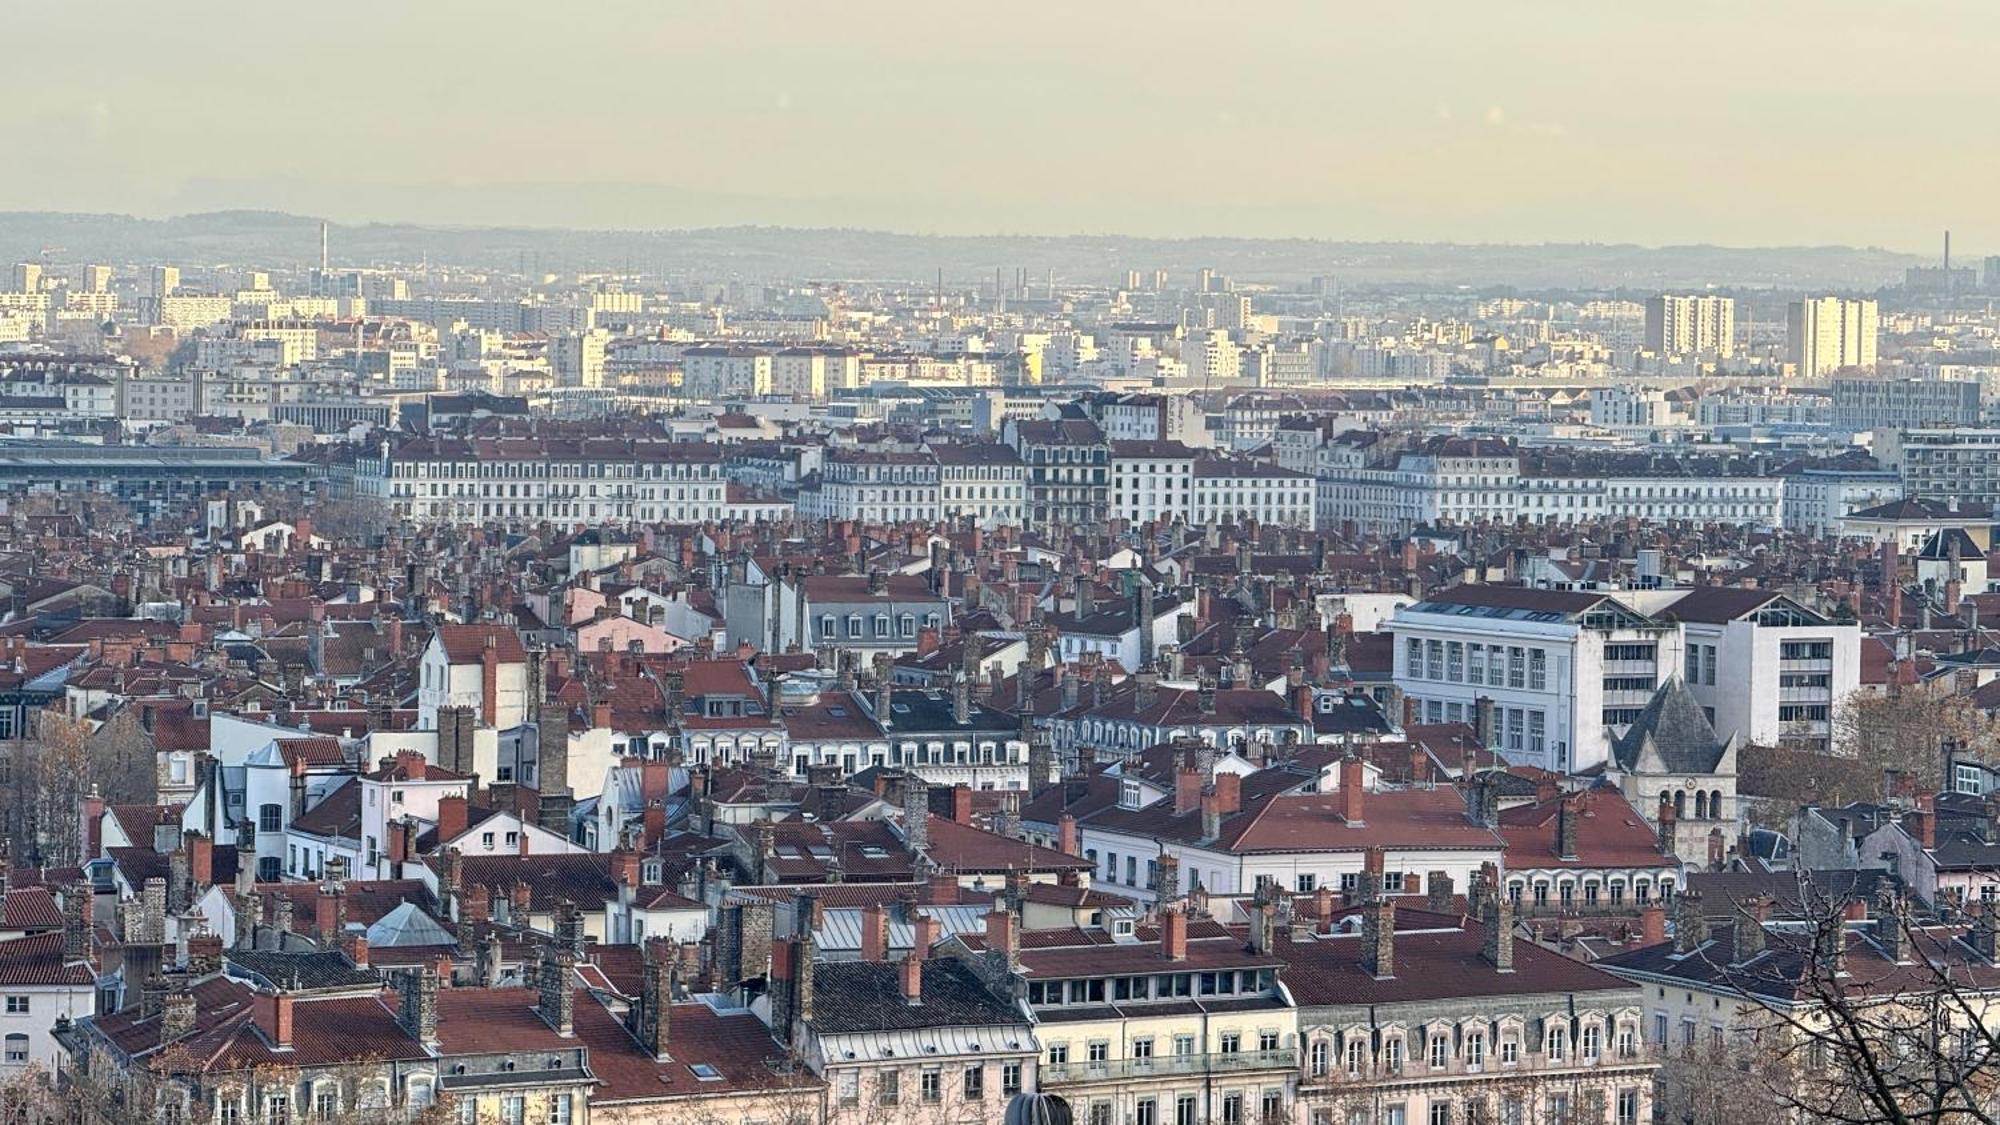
263, 239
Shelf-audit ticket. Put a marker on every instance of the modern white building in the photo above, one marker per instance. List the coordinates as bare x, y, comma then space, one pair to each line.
1562, 671
725, 372
1824, 334
1765, 669
1691, 326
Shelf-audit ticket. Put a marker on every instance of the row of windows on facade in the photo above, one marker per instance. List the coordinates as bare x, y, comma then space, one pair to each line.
1513, 666
972, 1084
884, 628
323, 1102
1553, 1108
554, 492
1156, 986
554, 469
1358, 1057
1520, 729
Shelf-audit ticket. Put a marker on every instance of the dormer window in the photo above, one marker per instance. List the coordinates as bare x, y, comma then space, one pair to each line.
1128, 794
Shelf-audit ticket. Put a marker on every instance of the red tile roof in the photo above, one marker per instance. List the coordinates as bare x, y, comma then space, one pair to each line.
1609, 833
464, 644
38, 960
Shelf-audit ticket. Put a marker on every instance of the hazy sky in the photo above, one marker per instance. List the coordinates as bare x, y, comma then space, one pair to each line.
1751, 122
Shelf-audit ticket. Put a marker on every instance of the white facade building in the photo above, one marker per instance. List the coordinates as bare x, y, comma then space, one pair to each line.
596, 480
1564, 671
1766, 670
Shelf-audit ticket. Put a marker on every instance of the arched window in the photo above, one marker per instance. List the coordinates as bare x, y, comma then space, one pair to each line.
1715, 803
1680, 803
1700, 805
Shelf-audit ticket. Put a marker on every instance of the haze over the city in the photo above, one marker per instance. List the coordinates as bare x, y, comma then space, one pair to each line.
1766, 124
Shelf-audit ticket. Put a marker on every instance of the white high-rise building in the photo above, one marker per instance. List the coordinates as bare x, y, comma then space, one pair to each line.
1682, 326
578, 357
1825, 334
1211, 357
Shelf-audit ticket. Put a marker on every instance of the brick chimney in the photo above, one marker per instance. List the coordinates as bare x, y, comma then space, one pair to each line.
912, 973
1652, 924
454, 818
1438, 892
926, 935
489, 680
941, 889
1352, 797
177, 1016
1066, 835
1750, 936
273, 1014
961, 804
1569, 818
1228, 792
1001, 936
201, 861
1496, 918
1173, 934
330, 913
1187, 790
1690, 925
1378, 939
874, 933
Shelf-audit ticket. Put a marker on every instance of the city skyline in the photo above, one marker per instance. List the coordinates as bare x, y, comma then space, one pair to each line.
1450, 124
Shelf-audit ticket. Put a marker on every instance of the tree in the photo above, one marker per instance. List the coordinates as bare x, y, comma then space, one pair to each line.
1905, 1035
59, 762
1908, 730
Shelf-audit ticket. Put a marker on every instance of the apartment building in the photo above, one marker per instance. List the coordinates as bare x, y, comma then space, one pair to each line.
1152, 480
1564, 671
1298, 826
1817, 501
1384, 488
1389, 490
1864, 403
1691, 326
1228, 490
1179, 1020
884, 487
1825, 334
714, 372
1961, 465
1068, 470
983, 481
530, 479
1413, 1012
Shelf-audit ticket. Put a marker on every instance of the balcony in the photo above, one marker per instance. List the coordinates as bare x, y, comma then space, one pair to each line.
1163, 1066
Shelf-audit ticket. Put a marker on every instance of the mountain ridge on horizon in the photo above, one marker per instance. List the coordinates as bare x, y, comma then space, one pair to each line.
277, 239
